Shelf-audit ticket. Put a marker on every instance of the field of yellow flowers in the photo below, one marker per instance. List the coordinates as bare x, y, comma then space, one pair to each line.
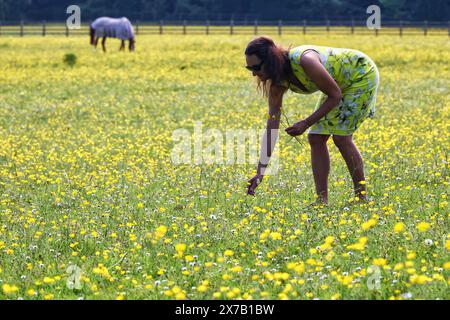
92, 206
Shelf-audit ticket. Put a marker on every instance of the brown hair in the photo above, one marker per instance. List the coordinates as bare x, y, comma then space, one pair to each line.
276, 61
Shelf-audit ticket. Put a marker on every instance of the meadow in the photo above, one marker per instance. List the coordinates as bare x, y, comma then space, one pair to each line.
92, 206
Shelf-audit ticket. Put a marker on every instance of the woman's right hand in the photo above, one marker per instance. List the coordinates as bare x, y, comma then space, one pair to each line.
253, 183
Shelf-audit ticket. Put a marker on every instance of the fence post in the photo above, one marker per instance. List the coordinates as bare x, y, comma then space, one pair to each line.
21, 28
328, 26
256, 27
43, 28
280, 27
401, 28
67, 30
231, 26
353, 27
184, 26
207, 27
161, 27
425, 27
137, 27
304, 26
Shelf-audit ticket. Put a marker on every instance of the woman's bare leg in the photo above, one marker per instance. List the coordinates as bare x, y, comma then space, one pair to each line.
320, 162
354, 161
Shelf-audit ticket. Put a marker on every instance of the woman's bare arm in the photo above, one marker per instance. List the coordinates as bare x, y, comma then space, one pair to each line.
269, 137
314, 69
273, 124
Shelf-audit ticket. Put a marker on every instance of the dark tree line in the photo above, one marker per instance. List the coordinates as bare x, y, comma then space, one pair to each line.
147, 10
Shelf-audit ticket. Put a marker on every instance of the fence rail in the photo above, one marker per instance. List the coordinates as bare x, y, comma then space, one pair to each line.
230, 27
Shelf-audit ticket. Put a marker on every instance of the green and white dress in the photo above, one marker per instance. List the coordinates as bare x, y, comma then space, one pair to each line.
357, 76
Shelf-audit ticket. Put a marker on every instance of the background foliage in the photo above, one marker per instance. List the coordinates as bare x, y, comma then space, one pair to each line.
55, 10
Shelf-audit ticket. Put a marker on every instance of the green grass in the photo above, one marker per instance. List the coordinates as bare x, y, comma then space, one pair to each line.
86, 176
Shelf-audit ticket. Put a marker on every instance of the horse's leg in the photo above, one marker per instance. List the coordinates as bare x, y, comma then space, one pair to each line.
96, 42
122, 46
103, 44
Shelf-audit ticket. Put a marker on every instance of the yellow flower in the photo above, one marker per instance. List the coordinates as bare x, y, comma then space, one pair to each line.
335, 296
176, 289
329, 239
399, 266
31, 292
369, 224
423, 226
411, 255
379, 262
180, 247
103, 271
327, 243
447, 244
236, 269
419, 279
226, 277
202, 288
120, 297
9, 289
298, 268
228, 253
275, 236
264, 235
180, 296
48, 296
360, 245
283, 296
281, 276
160, 232
345, 280
399, 227
49, 280
220, 259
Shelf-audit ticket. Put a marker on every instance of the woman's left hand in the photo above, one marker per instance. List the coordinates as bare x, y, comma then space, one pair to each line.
297, 129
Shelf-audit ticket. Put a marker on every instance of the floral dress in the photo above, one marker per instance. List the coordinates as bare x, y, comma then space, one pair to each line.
357, 76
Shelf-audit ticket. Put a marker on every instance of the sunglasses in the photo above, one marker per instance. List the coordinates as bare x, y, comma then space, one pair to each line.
255, 67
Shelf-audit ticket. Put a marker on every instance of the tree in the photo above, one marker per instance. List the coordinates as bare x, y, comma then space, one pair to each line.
54, 10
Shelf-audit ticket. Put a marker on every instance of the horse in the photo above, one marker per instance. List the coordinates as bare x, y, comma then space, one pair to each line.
120, 28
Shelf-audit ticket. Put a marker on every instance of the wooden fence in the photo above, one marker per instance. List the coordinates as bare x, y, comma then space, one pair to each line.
279, 27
